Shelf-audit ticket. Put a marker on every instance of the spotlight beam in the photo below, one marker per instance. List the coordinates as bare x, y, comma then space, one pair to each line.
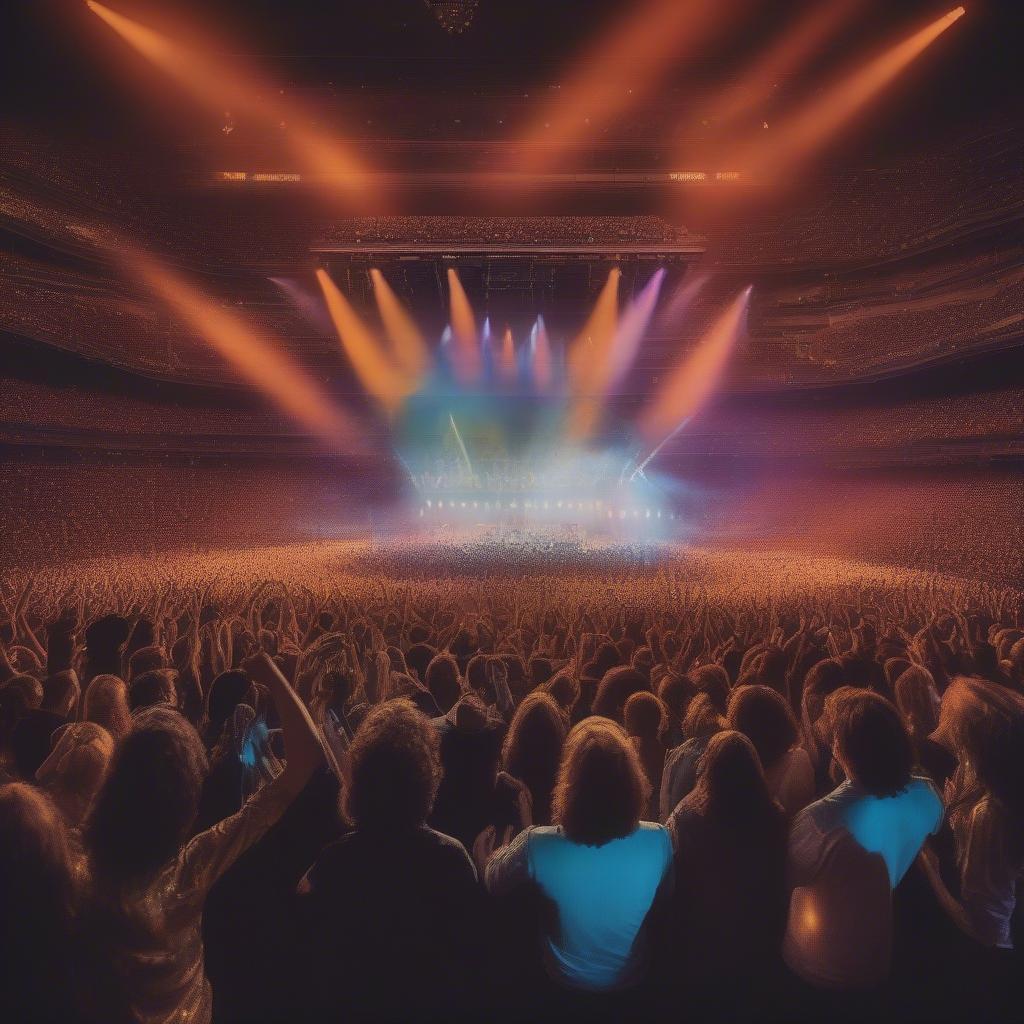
820, 118
257, 357
407, 344
694, 378
588, 360
507, 364
793, 47
375, 372
632, 325
621, 70
467, 346
220, 83
540, 355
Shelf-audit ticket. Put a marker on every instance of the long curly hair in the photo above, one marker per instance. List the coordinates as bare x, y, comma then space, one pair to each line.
149, 800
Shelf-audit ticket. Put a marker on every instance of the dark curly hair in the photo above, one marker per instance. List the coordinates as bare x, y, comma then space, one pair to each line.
871, 741
764, 716
394, 768
602, 788
148, 803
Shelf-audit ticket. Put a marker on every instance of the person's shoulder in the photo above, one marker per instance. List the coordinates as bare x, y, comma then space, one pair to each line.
444, 846
821, 814
674, 755
545, 835
651, 828
651, 833
921, 782
341, 849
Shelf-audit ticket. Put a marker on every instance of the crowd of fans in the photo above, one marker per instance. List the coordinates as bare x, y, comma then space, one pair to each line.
514, 230
353, 792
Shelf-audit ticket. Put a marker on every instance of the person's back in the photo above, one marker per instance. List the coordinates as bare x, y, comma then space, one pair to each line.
879, 818
150, 881
397, 909
470, 742
599, 868
730, 849
602, 895
390, 909
839, 929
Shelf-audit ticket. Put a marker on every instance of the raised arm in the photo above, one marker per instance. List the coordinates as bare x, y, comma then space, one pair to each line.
302, 746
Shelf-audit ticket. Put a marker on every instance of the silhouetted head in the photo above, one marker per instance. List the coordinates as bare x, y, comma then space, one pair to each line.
676, 691
146, 659
731, 787
617, 686
443, 682
106, 703
982, 724
602, 788
870, 741
151, 688
918, 700
418, 657
227, 691
763, 715
146, 807
823, 678
75, 770
533, 749
61, 694
37, 889
712, 680
644, 716
104, 640
702, 718
394, 769
563, 689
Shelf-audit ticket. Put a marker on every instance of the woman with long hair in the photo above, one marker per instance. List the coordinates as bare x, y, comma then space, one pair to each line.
150, 880
730, 839
646, 719
533, 750
598, 867
764, 716
982, 725
918, 701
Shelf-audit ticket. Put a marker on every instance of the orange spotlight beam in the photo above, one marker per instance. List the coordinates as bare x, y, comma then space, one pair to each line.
620, 70
407, 344
823, 116
220, 83
254, 355
690, 384
468, 363
590, 358
594, 340
793, 47
507, 363
375, 372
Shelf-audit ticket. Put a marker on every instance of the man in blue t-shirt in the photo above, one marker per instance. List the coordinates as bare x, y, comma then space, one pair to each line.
849, 850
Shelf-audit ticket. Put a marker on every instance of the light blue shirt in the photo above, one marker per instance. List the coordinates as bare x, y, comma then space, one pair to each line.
895, 827
602, 894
